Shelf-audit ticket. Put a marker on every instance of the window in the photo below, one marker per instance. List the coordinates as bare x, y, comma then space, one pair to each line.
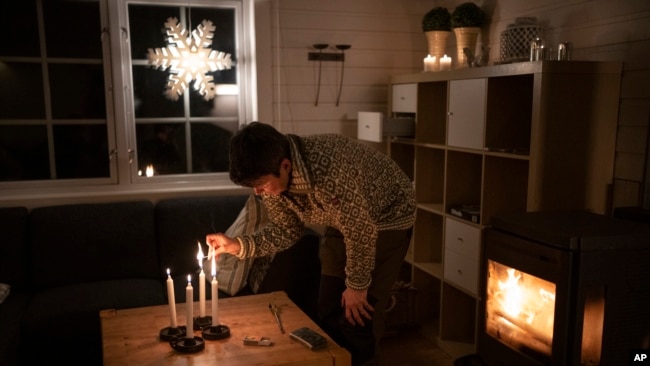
83, 109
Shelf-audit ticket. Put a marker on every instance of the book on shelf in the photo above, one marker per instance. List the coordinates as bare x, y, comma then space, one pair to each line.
467, 212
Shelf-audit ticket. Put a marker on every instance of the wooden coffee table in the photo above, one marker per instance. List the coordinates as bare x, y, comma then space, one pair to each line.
131, 336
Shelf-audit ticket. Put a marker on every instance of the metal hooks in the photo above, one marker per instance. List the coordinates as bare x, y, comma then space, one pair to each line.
320, 47
342, 48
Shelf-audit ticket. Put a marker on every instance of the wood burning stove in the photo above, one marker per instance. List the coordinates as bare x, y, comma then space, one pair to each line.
564, 288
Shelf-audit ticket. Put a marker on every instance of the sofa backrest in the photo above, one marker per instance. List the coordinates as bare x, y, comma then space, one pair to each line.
182, 222
93, 242
13, 247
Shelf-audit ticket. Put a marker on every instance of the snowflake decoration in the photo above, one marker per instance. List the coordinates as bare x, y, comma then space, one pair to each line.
189, 57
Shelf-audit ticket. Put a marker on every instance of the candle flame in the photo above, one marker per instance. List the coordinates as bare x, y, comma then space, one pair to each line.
199, 255
168, 272
149, 172
189, 279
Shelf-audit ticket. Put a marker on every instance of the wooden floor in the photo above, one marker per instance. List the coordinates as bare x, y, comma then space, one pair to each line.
409, 348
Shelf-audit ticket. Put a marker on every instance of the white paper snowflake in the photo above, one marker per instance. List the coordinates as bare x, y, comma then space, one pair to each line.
189, 57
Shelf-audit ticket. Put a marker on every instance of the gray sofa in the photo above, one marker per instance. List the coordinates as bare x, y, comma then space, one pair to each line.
66, 263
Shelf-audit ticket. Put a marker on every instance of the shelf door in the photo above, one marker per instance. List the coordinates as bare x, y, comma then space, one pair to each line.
405, 98
467, 100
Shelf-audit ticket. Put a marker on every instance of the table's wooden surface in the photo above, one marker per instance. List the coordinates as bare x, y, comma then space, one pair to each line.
131, 336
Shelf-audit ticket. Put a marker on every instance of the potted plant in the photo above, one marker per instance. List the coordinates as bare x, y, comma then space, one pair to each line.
466, 22
436, 25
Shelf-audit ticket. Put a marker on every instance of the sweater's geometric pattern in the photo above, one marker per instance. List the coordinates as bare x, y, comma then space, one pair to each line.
337, 182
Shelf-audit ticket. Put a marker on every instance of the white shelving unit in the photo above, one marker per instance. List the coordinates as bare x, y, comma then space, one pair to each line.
527, 136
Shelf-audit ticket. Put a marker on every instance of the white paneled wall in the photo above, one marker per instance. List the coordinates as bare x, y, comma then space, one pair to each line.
387, 39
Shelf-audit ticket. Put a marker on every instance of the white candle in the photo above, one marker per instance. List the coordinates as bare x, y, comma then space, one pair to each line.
430, 63
215, 293
189, 311
172, 301
199, 257
445, 63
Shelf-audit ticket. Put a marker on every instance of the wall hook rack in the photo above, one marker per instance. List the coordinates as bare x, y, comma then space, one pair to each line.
324, 56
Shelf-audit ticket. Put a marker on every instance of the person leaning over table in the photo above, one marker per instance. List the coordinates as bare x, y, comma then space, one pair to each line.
359, 194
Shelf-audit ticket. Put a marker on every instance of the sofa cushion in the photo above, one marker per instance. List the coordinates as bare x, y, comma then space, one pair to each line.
93, 242
69, 317
182, 222
232, 272
11, 312
13, 246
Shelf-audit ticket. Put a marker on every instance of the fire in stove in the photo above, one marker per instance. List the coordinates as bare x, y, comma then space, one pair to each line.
520, 309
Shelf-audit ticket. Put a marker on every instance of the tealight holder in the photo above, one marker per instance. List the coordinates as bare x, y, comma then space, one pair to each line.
200, 322
214, 332
169, 333
187, 345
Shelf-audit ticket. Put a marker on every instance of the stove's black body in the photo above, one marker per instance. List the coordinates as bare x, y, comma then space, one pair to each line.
581, 253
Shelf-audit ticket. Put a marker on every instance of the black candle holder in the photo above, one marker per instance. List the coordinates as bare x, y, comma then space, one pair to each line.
169, 333
201, 322
215, 332
187, 345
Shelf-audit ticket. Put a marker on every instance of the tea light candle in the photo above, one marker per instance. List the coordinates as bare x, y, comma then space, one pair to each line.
215, 292
430, 63
445, 63
199, 257
172, 301
189, 311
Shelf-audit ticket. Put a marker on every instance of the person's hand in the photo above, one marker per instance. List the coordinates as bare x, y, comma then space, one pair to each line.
356, 306
220, 243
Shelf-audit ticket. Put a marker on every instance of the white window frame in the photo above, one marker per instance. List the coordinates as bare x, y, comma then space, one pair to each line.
121, 59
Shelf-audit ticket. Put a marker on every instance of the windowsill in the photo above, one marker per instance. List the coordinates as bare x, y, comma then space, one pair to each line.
36, 197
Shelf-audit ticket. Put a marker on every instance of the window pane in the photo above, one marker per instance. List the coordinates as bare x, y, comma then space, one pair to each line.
223, 105
77, 91
24, 18
21, 91
210, 144
148, 98
147, 27
73, 28
23, 153
81, 151
163, 146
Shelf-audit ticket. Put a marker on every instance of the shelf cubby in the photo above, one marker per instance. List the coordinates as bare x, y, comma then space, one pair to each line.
429, 175
431, 117
427, 242
509, 113
403, 153
427, 303
464, 178
506, 180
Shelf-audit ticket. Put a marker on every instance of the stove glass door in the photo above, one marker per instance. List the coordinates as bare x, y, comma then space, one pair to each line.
520, 310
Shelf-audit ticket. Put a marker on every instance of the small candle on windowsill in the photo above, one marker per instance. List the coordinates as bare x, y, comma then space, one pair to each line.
172, 301
199, 257
430, 63
215, 292
445, 63
189, 311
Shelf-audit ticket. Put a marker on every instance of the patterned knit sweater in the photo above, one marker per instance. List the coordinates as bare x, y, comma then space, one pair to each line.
337, 182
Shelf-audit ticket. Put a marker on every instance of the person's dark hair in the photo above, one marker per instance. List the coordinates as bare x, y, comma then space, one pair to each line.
257, 150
